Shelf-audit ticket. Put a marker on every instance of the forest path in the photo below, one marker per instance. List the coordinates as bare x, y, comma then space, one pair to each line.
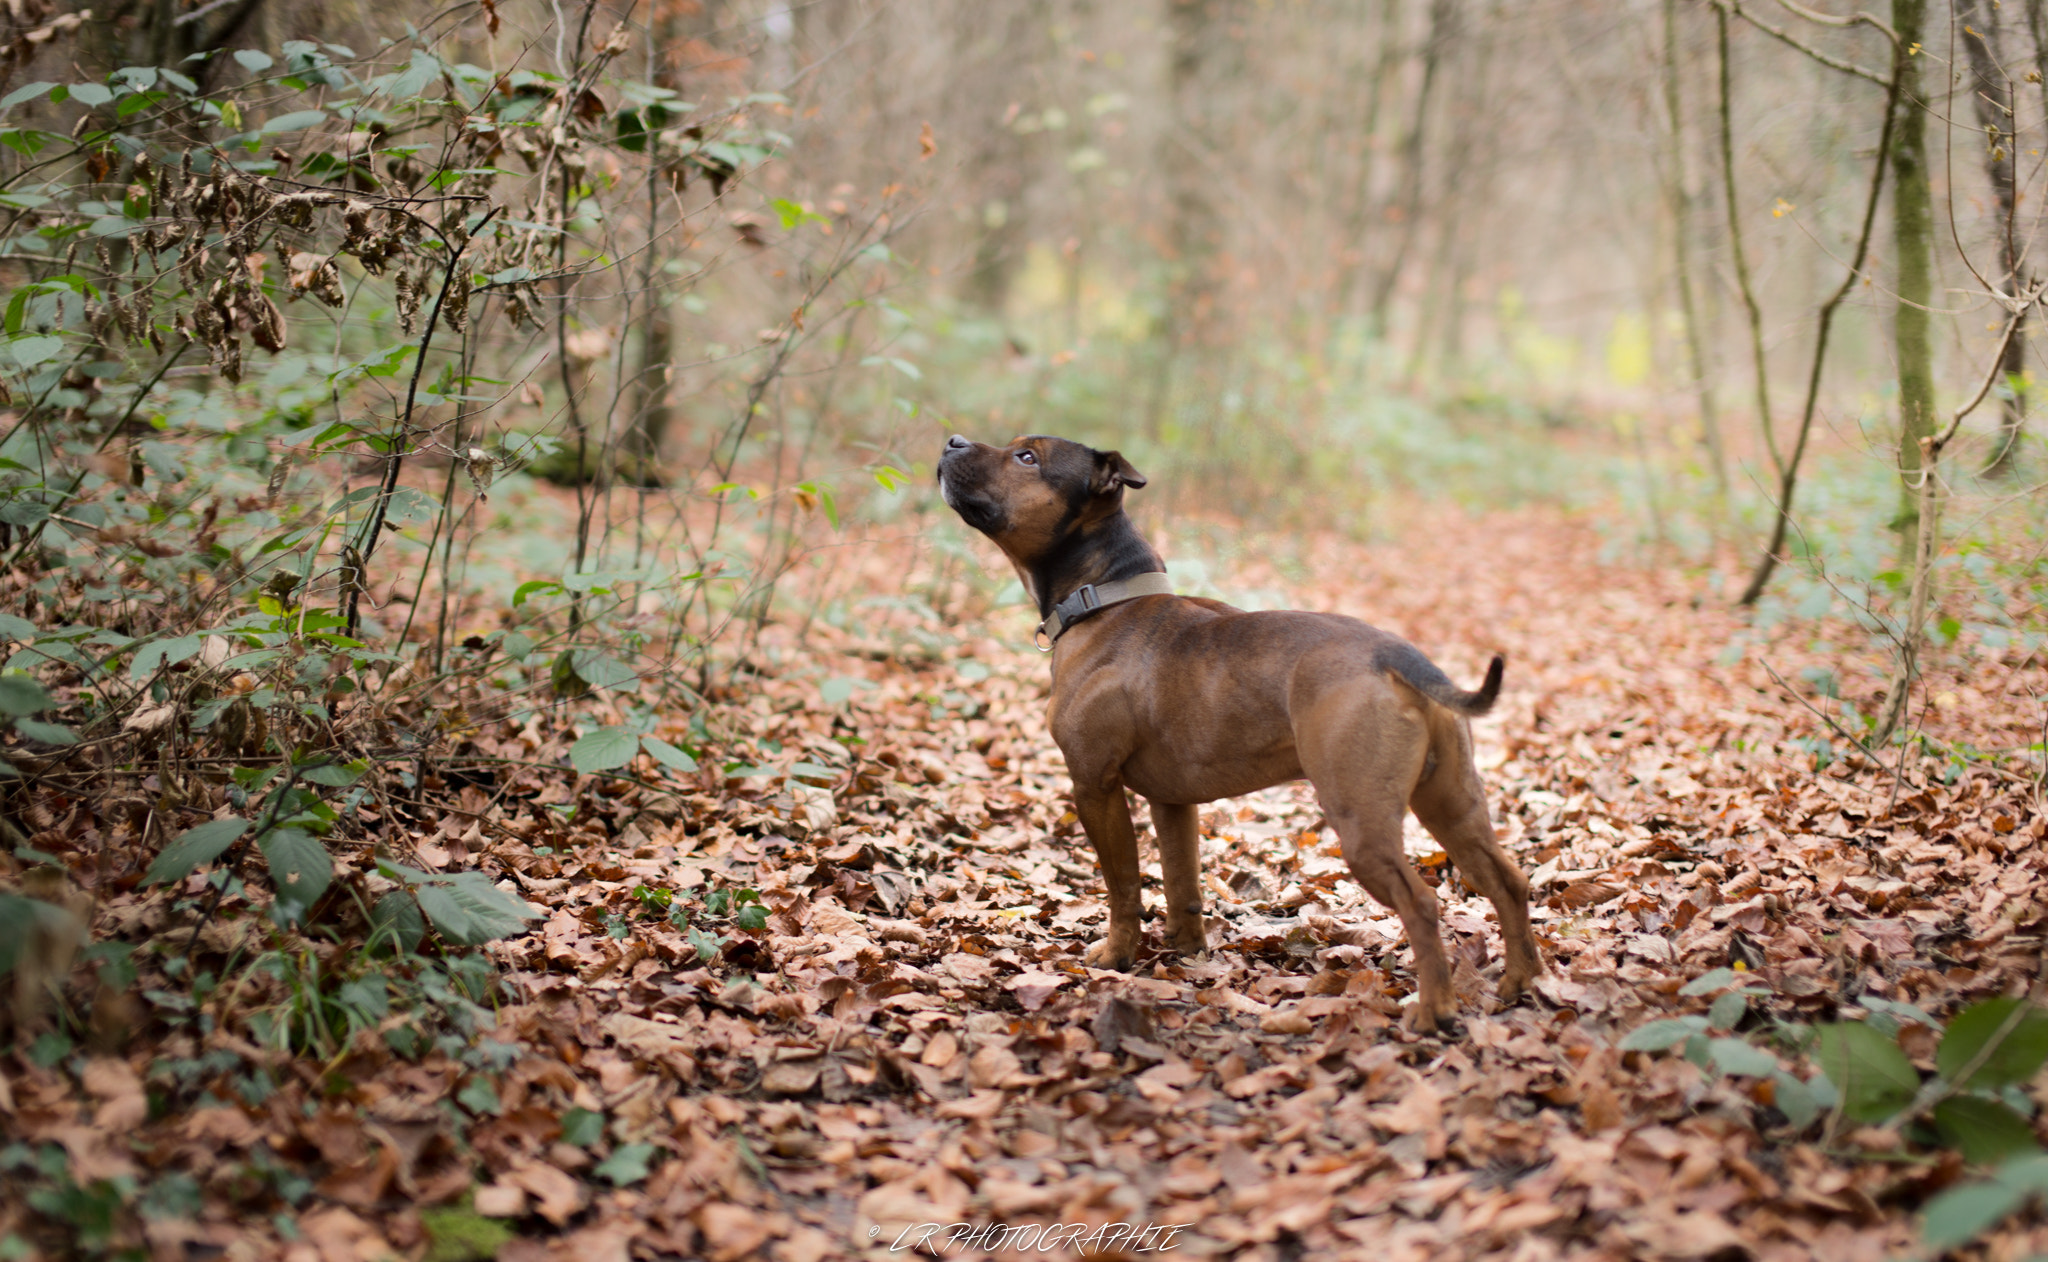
909, 1035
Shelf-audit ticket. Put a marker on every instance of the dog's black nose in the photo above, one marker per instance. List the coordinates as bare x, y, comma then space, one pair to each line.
957, 443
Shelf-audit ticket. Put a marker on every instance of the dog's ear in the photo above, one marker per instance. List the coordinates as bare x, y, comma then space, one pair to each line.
1113, 471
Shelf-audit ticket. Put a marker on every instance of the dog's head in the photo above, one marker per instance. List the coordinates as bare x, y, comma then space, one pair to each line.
1034, 494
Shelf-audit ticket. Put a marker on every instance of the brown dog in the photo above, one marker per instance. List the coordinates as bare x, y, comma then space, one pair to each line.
1187, 701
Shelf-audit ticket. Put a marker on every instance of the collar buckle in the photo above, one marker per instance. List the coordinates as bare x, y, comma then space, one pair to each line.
1087, 600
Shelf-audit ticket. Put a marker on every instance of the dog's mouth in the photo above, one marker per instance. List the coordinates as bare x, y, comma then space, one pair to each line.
976, 510
974, 507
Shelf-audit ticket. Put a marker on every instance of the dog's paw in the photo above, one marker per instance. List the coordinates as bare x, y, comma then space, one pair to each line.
1104, 955
1188, 938
1515, 984
1419, 1020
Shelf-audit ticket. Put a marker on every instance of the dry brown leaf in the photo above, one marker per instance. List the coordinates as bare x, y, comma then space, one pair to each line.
557, 1197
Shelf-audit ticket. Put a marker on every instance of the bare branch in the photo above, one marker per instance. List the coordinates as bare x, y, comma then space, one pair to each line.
1785, 37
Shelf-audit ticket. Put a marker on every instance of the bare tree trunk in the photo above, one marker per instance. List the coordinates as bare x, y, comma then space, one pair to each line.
1913, 239
1351, 268
1679, 201
1759, 362
1002, 172
1443, 24
1896, 107
1928, 516
1992, 94
1198, 62
1466, 190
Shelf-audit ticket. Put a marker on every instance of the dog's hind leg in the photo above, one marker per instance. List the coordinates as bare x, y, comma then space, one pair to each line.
1180, 861
1372, 846
1364, 766
1451, 804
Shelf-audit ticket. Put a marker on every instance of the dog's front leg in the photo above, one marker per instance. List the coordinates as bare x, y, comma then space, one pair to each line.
1107, 818
1180, 861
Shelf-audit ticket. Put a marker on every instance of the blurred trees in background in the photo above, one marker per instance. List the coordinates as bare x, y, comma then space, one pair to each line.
730, 269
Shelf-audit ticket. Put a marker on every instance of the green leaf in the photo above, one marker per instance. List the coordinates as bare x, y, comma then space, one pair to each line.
468, 910
706, 945
2015, 1060
668, 755
36, 349
159, 653
300, 867
253, 61
29, 924
479, 1097
837, 690
17, 628
335, 775
1727, 1010
1873, 1075
632, 132
194, 847
1739, 1056
1708, 983
525, 590
1983, 1130
1658, 1036
604, 749
753, 918
602, 671
581, 1128
21, 694
793, 214
1794, 1099
396, 919
1960, 1215
48, 733
627, 1165
26, 92
399, 872
299, 120
93, 94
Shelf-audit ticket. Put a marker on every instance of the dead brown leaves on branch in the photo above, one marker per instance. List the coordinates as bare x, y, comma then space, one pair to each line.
906, 1033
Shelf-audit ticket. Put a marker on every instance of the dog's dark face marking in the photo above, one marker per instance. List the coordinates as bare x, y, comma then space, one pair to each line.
1042, 500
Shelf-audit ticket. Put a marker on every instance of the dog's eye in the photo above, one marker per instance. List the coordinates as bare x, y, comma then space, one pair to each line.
1026, 457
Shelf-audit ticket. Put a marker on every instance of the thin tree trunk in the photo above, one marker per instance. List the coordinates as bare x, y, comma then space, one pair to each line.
1749, 303
1003, 171
1465, 188
1351, 266
1928, 515
1895, 108
1913, 240
1680, 204
1992, 95
1200, 39
1443, 22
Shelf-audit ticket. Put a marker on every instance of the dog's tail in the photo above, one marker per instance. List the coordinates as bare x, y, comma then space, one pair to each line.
1421, 674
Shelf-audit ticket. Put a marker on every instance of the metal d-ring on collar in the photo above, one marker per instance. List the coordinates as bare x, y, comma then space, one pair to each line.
1090, 599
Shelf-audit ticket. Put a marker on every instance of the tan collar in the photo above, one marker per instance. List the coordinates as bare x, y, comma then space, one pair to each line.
1090, 599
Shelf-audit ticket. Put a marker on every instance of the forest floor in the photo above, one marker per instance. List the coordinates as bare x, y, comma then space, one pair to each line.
912, 1037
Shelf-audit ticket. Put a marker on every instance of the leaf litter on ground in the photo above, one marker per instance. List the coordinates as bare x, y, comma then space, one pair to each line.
809, 973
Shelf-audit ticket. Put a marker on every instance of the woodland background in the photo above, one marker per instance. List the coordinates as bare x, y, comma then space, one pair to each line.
503, 753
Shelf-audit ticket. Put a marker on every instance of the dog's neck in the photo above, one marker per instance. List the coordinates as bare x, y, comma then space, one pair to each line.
1109, 555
